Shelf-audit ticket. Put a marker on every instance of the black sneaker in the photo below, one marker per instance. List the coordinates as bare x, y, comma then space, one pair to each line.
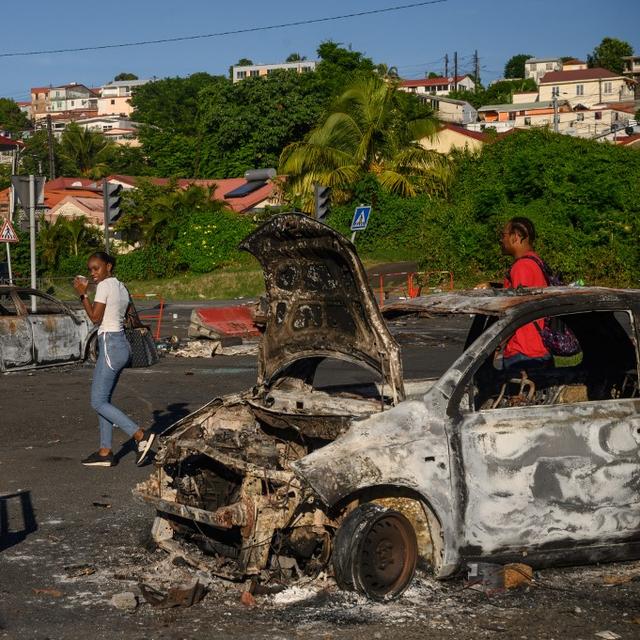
144, 446
96, 460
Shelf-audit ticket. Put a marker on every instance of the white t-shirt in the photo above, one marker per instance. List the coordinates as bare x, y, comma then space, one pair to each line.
115, 296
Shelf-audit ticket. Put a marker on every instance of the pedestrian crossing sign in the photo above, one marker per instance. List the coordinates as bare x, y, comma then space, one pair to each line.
7, 233
360, 218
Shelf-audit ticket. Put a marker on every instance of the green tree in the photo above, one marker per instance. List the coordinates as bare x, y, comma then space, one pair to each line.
367, 131
77, 231
515, 65
432, 74
169, 109
387, 72
608, 54
84, 152
34, 157
125, 76
12, 119
295, 57
498, 93
247, 124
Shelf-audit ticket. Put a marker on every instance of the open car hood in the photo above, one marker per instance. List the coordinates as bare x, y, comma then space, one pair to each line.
319, 304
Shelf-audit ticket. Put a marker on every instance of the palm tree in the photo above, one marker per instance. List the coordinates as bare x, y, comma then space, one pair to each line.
387, 72
77, 229
368, 130
86, 152
163, 223
52, 240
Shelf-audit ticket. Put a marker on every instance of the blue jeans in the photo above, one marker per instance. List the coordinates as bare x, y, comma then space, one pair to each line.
114, 354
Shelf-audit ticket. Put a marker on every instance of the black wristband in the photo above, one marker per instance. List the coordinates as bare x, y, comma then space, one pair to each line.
82, 297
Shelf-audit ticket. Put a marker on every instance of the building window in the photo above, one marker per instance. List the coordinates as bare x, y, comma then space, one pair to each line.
608, 87
580, 117
527, 121
579, 89
254, 73
270, 71
549, 66
73, 103
598, 115
113, 102
512, 115
241, 75
533, 66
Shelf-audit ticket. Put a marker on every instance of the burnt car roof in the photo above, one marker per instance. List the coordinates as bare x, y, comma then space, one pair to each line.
502, 302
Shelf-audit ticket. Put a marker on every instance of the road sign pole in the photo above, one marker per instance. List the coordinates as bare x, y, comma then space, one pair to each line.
32, 236
353, 237
9, 264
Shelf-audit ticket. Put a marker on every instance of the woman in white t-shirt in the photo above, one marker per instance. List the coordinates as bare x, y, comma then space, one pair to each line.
114, 352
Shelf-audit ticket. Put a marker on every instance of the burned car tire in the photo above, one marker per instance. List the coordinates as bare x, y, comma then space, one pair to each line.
375, 552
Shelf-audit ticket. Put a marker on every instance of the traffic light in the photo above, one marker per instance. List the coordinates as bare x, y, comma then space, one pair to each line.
321, 196
112, 199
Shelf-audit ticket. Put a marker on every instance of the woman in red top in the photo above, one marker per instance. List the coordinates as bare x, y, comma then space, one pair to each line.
525, 347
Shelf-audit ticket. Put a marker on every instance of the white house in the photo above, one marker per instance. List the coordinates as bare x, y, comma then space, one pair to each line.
71, 97
241, 72
535, 68
439, 86
450, 110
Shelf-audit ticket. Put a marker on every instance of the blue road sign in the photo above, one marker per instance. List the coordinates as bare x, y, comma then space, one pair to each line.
360, 218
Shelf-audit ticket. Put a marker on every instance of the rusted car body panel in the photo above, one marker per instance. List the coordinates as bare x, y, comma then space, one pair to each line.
36, 330
484, 465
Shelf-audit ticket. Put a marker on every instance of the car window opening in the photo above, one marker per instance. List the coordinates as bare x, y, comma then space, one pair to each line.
605, 367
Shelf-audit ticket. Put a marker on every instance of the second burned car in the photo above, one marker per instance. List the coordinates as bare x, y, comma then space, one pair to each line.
288, 478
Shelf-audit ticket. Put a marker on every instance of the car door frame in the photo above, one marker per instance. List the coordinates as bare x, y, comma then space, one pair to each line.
454, 385
36, 320
23, 316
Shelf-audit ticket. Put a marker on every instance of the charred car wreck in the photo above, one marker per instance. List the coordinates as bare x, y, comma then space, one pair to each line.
37, 330
367, 480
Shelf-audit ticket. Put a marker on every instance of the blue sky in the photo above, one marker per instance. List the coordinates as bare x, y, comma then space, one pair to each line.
415, 40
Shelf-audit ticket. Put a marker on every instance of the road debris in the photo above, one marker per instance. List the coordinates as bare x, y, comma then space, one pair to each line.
209, 348
54, 593
247, 599
102, 505
608, 635
180, 595
126, 601
79, 571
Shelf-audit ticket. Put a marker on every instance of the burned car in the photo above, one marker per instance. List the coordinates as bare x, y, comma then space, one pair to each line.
367, 480
37, 330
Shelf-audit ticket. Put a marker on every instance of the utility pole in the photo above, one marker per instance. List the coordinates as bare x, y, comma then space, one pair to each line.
455, 70
446, 65
52, 164
555, 92
32, 237
476, 65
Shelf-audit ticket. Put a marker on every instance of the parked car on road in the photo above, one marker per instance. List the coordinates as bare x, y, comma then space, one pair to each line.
539, 466
37, 330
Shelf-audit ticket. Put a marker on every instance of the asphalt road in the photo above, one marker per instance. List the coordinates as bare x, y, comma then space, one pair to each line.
73, 536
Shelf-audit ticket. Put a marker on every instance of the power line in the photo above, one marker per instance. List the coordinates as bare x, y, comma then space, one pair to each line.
297, 23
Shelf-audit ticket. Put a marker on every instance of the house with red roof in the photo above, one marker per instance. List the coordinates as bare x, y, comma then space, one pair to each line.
452, 137
73, 197
586, 87
440, 86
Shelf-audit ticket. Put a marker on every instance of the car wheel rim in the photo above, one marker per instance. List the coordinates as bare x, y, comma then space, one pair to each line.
387, 557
